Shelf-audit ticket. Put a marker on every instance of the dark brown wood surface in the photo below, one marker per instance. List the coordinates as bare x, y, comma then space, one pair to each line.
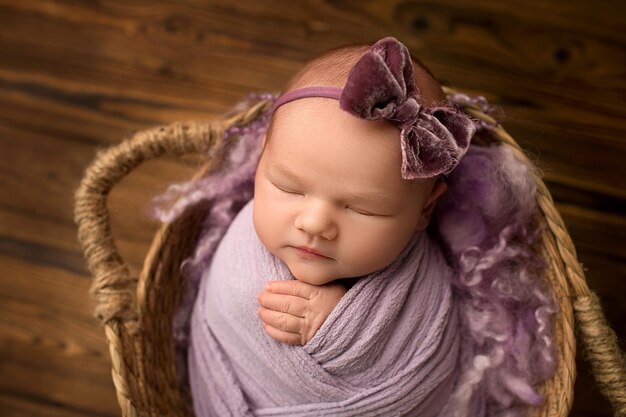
76, 76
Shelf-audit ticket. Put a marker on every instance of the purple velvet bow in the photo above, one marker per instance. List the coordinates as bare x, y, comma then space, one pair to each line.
381, 85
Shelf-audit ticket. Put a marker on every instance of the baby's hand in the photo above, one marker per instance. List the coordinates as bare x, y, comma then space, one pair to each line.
293, 311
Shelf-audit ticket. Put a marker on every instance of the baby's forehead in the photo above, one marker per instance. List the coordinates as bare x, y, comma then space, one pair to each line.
314, 114
359, 153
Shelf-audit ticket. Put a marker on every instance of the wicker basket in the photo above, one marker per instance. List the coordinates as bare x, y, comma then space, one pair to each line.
136, 312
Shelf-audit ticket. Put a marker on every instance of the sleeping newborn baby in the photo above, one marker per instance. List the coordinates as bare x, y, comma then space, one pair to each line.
324, 172
330, 201
356, 314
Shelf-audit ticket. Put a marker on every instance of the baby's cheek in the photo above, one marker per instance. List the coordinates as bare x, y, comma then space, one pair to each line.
373, 251
265, 222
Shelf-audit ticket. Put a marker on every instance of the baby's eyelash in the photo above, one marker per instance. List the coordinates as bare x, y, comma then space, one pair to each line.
285, 191
363, 213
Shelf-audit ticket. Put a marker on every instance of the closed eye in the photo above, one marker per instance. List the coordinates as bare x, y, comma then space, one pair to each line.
287, 191
363, 213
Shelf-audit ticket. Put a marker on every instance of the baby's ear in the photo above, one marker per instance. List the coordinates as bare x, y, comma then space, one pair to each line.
437, 191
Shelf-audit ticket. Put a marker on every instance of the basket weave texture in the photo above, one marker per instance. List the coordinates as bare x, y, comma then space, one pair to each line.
136, 312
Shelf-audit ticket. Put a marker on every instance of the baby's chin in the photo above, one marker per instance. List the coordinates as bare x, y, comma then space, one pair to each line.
310, 273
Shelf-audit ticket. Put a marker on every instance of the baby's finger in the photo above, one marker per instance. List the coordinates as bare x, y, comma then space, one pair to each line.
284, 337
281, 321
291, 287
284, 303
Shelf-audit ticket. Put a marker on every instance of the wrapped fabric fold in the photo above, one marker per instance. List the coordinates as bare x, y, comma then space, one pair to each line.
390, 347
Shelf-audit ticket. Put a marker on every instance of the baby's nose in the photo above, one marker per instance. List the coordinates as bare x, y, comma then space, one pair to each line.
317, 219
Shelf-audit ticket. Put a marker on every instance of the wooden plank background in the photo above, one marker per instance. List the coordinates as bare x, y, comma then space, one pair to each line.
76, 76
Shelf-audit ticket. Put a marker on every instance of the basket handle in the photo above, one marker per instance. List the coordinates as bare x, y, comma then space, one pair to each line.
113, 289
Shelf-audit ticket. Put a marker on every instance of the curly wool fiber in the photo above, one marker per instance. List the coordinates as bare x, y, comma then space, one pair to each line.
487, 222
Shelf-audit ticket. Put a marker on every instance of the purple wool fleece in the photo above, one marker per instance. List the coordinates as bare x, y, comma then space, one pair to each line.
488, 223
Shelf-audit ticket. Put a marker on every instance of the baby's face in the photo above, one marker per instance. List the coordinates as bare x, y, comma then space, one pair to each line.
331, 182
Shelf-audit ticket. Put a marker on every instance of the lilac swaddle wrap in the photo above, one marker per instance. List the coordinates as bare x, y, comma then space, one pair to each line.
390, 346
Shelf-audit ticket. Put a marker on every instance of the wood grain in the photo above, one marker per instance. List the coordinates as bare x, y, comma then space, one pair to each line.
76, 76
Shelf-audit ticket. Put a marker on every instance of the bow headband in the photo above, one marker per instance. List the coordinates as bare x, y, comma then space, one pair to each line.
381, 85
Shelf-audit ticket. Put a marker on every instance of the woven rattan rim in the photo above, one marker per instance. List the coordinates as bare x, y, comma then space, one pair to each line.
120, 299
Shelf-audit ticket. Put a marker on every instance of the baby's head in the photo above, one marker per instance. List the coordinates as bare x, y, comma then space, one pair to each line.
332, 182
